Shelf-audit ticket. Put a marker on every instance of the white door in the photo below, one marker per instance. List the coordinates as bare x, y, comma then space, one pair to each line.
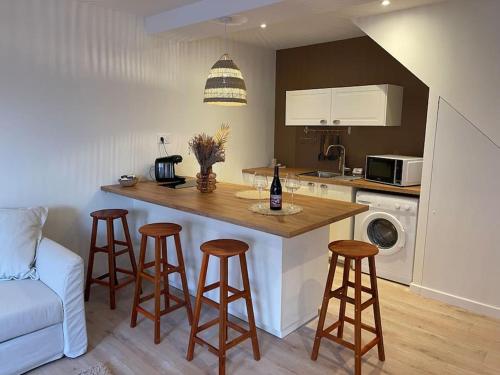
359, 106
308, 107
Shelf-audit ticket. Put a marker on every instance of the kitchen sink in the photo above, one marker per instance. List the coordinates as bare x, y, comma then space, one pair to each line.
321, 174
332, 175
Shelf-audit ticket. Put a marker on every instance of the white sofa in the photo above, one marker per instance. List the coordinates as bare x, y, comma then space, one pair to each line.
42, 320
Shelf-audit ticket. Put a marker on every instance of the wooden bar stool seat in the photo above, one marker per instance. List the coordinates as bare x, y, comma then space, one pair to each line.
223, 249
114, 213
162, 269
160, 229
113, 283
357, 251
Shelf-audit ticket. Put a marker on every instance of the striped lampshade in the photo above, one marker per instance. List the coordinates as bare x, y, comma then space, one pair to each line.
225, 84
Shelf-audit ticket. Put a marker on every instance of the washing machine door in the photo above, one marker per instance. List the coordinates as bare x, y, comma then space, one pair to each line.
385, 231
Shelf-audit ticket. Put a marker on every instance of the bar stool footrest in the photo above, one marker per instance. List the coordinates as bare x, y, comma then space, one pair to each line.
121, 283
151, 316
127, 272
210, 302
212, 349
238, 339
364, 326
124, 282
363, 288
121, 252
338, 340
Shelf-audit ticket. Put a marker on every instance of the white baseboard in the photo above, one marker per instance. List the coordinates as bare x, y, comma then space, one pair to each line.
468, 304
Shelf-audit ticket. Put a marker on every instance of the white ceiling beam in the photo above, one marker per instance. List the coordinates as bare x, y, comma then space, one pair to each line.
200, 11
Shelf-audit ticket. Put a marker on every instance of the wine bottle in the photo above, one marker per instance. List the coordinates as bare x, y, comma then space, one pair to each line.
276, 193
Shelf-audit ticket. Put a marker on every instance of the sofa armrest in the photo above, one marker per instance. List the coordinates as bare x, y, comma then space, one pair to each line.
62, 271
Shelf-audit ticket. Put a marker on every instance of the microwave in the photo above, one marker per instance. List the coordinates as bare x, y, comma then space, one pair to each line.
395, 170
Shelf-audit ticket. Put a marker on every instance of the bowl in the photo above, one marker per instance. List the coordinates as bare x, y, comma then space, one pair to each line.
129, 181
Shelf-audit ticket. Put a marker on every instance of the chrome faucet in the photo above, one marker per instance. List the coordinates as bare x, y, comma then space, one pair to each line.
341, 157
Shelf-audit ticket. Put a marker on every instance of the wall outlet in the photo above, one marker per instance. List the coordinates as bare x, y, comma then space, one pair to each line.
163, 138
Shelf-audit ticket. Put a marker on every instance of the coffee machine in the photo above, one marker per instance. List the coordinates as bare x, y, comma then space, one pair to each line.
165, 169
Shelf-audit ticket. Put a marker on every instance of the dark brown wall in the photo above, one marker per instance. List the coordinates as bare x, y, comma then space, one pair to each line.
350, 62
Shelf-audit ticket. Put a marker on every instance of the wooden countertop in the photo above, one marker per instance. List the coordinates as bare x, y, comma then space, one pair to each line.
223, 205
358, 183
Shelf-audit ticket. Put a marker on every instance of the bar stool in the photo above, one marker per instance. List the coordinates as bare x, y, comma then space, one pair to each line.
223, 249
113, 283
351, 250
160, 232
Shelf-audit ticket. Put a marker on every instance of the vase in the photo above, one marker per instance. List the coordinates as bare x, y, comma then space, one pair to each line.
205, 181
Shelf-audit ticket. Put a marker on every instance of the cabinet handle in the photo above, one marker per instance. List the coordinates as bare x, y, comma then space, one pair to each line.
310, 184
324, 186
336, 122
323, 122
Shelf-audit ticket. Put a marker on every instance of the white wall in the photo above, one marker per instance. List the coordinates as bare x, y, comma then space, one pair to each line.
84, 92
453, 47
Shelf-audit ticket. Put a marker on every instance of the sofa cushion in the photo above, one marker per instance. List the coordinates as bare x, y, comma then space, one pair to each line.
27, 306
20, 233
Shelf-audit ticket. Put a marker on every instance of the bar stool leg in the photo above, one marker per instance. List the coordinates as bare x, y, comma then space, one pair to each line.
324, 307
357, 318
197, 306
90, 265
248, 299
182, 269
111, 263
376, 308
164, 262
222, 315
157, 291
345, 288
130, 246
138, 281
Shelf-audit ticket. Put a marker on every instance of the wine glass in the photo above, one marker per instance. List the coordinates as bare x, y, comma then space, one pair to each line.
260, 183
292, 183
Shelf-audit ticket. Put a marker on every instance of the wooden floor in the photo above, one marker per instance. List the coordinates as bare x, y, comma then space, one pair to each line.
421, 336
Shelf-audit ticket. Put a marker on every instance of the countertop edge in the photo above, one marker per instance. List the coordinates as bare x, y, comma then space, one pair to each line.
128, 192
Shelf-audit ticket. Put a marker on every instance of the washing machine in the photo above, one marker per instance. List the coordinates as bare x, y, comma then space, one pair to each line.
391, 225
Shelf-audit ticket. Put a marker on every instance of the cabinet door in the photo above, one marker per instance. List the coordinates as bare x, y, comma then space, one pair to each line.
343, 229
359, 106
308, 107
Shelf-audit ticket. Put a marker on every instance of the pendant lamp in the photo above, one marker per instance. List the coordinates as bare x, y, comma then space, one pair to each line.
225, 84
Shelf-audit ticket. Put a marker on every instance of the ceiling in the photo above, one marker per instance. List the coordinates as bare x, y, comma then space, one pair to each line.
290, 23
141, 8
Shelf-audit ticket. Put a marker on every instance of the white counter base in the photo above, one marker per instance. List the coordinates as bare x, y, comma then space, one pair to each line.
287, 275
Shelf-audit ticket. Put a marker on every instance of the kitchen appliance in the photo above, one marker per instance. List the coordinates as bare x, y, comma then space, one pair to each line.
391, 225
396, 170
165, 168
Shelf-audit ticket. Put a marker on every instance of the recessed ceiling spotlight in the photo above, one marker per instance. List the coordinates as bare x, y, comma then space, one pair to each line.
263, 25
386, 3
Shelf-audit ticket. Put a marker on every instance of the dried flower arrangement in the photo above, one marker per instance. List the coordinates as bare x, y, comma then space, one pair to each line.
210, 150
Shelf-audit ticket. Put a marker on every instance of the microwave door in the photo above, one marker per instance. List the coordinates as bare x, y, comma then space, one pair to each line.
381, 170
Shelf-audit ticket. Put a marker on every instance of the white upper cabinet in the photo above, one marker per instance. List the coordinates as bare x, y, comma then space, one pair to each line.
373, 105
308, 107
